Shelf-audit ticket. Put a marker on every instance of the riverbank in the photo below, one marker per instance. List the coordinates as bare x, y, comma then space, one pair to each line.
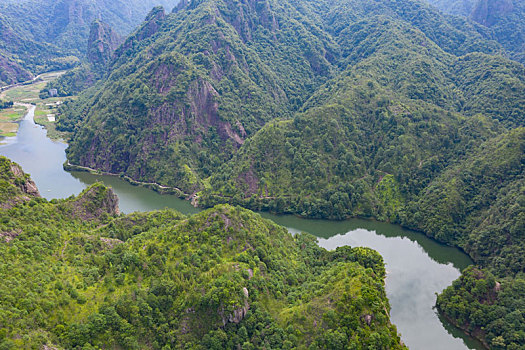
149, 185
23, 94
478, 334
9, 118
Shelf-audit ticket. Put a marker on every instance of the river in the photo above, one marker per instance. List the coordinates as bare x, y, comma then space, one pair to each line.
417, 267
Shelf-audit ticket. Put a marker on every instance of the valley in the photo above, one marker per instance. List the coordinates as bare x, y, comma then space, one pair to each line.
398, 126
441, 264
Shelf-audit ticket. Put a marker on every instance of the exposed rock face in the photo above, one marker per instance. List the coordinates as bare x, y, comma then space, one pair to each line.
9, 236
103, 41
200, 95
26, 185
30, 188
368, 319
238, 314
95, 202
110, 242
204, 107
153, 22
16, 187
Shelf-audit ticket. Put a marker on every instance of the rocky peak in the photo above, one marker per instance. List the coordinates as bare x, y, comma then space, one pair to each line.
102, 43
24, 183
16, 186
151, 26
153, 22
95, 202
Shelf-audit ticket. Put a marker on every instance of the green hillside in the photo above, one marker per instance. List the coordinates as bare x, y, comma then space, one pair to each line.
207, 89
176, 118
404, 114
76, 274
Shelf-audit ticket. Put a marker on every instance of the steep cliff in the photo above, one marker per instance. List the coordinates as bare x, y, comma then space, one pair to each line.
199, 91
102, 43
16, 186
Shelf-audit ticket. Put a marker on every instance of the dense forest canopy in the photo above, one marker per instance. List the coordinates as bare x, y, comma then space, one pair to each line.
211, 87
505, 18
77, 275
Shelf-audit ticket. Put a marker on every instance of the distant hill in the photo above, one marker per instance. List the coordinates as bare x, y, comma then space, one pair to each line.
38, 35
506, 18
102, 43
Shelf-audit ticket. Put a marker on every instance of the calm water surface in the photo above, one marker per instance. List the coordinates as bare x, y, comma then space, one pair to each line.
417, 267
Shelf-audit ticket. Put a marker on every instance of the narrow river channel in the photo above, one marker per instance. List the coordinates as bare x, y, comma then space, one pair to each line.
417, 266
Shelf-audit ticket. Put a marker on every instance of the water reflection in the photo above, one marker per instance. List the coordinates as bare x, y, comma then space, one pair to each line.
135, 198
417, 269
326, 229
42, 158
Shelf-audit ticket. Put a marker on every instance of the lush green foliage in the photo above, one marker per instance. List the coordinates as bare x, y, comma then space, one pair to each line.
74, 275
176, 116
479, 204
170, 102
380, 117
505, 18
486, 308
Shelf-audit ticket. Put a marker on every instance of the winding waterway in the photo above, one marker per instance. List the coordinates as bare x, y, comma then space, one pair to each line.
417, 266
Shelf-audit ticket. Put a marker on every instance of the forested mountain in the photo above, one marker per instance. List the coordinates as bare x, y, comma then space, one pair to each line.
479, 204
76, 274
505, 18
21, 54
327, 109
37, 36
209, 88
101, 46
